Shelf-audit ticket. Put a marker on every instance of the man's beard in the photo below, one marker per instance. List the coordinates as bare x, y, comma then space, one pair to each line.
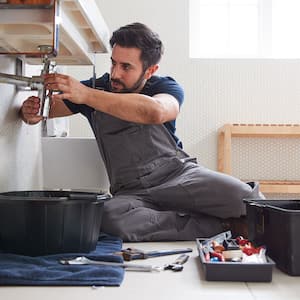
138, 84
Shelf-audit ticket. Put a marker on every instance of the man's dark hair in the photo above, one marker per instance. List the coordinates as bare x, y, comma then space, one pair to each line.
138, 35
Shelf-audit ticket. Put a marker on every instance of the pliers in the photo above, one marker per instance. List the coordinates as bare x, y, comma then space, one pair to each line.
177, 265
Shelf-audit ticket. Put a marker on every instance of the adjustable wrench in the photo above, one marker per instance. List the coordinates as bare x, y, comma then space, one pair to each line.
132, 253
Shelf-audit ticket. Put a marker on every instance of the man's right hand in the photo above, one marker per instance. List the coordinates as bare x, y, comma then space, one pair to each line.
30, 109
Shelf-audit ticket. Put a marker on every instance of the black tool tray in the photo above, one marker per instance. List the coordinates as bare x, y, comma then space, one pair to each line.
235, 271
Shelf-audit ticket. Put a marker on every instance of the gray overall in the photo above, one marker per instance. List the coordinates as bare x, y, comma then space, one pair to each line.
159, 192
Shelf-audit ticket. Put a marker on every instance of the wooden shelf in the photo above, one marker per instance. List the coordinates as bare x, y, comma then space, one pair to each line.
263, 130
82, 32
229, 131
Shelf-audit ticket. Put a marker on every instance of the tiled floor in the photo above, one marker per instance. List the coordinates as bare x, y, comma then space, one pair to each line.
188, 284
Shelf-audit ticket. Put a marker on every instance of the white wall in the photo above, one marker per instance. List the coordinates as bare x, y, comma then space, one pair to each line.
20, 144
216, 91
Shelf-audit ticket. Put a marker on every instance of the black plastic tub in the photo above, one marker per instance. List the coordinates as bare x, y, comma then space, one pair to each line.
276, 224
37, 223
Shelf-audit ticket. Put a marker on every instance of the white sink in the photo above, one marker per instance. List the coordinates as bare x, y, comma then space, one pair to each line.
73, 163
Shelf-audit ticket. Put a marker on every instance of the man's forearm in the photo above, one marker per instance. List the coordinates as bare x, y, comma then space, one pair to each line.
134, 107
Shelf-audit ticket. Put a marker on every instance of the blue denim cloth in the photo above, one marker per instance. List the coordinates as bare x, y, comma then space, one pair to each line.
47, 271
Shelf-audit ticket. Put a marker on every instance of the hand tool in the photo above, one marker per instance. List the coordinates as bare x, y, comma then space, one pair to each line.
82, 260
132, 253
177, 265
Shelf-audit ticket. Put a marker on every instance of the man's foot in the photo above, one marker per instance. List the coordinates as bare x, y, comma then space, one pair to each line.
237, 226
256, 193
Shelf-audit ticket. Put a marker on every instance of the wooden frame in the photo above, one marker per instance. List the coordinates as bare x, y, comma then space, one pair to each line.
228, 131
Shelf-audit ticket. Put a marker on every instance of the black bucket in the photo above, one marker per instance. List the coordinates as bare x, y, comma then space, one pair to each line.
50, 222
275, 224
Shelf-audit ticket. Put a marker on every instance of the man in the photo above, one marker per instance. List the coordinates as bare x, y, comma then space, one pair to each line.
159, 192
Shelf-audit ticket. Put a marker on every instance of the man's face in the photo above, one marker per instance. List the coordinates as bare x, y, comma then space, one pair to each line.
126, 74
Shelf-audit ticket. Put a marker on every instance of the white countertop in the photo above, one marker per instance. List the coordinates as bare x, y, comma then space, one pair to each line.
188, 284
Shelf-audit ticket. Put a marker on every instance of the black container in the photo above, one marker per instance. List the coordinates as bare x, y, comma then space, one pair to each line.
49, 222
235, 271
276, 224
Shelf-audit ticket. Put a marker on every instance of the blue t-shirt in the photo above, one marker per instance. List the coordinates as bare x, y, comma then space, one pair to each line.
154, 85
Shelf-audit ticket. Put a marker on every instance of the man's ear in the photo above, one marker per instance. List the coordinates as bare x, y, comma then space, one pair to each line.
151, 70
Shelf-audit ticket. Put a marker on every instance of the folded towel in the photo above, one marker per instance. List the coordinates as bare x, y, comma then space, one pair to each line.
47, 270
